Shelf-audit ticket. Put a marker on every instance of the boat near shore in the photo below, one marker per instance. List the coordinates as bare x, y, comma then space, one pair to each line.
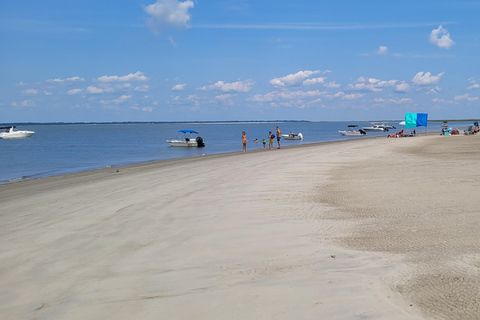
293, 136
375, 128
11, 133
187, 138
352, 131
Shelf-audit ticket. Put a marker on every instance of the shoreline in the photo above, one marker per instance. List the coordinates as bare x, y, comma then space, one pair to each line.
307, 231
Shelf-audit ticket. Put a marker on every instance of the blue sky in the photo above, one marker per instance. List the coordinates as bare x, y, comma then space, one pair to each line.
169, 60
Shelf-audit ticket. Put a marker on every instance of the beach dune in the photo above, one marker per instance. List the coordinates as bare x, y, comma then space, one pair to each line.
371, 229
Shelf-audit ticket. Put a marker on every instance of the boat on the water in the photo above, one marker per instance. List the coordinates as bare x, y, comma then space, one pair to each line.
293, 136
352, 131
187, 138
387, 126
375, 127
11, 133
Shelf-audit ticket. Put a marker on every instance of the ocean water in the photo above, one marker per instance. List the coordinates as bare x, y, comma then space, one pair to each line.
57, 149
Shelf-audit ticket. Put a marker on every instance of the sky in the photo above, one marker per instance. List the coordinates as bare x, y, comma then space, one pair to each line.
238, 60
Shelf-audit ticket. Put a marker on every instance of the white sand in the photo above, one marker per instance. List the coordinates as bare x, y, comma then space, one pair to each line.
371, 229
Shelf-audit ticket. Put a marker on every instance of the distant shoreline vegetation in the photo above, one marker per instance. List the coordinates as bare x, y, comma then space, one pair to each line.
216, 121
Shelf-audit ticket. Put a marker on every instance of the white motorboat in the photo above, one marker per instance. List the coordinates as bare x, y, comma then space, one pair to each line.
187, 138
387, 126
352, 131
293, 136
375, 127
11, 133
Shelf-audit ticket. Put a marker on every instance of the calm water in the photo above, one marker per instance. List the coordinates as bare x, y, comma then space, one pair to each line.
60, 149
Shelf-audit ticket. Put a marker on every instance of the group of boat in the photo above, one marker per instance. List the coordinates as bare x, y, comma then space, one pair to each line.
191, 138
352, 129
11, 133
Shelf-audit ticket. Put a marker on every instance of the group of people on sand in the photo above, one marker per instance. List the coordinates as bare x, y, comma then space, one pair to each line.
271, 137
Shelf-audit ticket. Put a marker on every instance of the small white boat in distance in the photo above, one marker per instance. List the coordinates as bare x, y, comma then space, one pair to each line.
187, 138
351, 131
293, 136
11, 133
375, 127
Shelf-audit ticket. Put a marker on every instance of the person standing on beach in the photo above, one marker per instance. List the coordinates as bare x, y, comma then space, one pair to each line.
270, 140
264, 142
278, 136
244, 141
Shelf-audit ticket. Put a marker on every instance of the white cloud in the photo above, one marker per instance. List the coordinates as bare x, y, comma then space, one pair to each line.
30, 91
47, 93
474, 83
179, 87
137, 76
363, 87
28, 103
465, 97
426, 79
72, 79
169, 12
284, 95
332, 85
382, 50
396, 101
74, 91
96, 90
143, 88
119, 100
313, 81
441, 38
237, 86
293, 80
225, 99
402, 87
353, 96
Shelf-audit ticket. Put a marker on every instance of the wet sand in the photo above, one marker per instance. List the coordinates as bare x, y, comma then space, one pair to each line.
371, 229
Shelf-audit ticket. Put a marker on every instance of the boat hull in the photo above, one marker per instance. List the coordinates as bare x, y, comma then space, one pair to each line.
350, 133
292, 136
16, 135
184, 144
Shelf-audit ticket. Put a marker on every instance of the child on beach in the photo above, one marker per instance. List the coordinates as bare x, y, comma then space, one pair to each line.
264, 142
244, 141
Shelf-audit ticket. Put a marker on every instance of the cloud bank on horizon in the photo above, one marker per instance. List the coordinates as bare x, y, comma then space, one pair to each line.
226, 61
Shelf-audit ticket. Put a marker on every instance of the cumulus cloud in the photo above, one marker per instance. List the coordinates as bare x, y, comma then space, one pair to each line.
422, 79
402, 87
382, 50
169, 13
74, 91
465, 97
30, 91
284, 95
137, 76
237, 86
59, 80
143, 88
119, 100
332, 85
96, 90
309, 82
474, 83
28, 103
396, 101
179, 87
293, 80
441, 38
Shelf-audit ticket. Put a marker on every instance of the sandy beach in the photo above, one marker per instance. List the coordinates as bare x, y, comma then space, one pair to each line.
359, 229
